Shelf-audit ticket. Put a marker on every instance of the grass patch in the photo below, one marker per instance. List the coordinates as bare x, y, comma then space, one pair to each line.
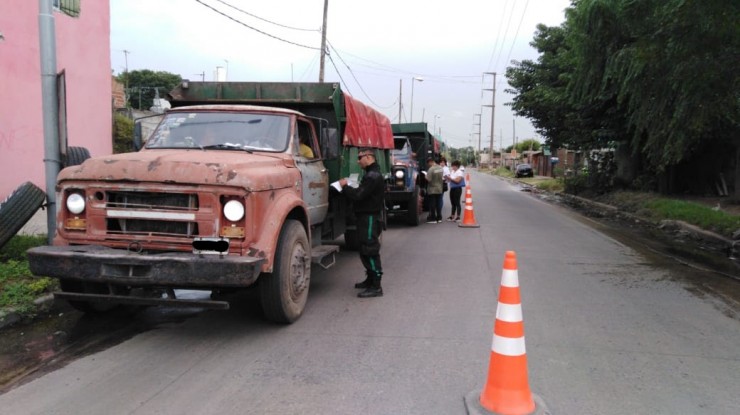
18, 287
549, 184
503, 172
18, 245
695, 214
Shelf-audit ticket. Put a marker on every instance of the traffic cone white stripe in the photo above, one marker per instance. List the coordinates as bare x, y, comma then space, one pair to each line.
510, 278
511, 313
507, 346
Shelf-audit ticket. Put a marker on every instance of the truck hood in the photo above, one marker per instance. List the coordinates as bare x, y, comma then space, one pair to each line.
254, 172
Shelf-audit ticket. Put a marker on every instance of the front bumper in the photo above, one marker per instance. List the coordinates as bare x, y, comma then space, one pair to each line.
94, 263
398, 195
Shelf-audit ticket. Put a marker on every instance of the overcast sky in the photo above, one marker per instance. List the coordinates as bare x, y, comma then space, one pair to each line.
374, 45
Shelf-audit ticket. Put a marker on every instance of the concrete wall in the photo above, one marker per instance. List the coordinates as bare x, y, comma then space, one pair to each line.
83, 52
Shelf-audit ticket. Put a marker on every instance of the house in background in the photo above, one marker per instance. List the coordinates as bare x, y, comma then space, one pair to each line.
83, 54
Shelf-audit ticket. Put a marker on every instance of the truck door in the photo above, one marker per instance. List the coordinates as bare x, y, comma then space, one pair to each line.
315, 183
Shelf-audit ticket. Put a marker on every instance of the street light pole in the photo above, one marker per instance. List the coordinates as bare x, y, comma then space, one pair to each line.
412, 95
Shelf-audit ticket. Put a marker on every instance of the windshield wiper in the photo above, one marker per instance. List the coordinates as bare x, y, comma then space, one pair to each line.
225, 146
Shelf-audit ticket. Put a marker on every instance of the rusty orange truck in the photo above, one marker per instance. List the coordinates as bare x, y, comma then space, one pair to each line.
231, 189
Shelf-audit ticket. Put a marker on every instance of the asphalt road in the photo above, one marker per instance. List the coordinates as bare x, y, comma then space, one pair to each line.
609, 330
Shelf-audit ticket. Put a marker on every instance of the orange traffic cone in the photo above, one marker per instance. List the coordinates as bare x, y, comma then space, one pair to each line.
507, 388
469, 215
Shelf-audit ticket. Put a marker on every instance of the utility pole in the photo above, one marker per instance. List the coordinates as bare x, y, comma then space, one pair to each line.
493, 108
479, 132
125, 90
50, 111
400, 98
323, 42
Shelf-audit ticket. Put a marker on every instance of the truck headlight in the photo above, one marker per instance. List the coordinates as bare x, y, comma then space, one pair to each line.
399, 174
75, 203
234, 210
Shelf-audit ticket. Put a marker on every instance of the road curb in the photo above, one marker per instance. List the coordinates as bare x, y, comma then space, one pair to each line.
10, 316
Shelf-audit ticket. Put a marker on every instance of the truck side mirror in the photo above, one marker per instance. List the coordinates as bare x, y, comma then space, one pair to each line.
330, 143
137, 136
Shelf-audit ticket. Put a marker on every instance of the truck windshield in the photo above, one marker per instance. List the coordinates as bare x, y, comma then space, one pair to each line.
222, 131
402, 155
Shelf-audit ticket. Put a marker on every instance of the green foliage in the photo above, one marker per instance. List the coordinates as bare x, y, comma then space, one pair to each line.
503, 171
11, 270
123, 134
20, 295
17, 246
696, 214
550, 185
576, 182
143, 84
601, 169
659, 75
18, 287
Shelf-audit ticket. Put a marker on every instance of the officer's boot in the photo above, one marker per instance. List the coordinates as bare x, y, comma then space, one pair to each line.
367, 283
375, 290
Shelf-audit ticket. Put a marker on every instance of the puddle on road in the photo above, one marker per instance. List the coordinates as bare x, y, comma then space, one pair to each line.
64, 334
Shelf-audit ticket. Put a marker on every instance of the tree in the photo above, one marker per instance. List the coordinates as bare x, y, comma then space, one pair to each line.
540, 87
657, 76
123, 134
667, 69
143, 85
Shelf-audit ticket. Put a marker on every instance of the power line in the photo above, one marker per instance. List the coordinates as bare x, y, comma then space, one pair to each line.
265, 20
256, 30
387, 68
508, 24
358, 82
338, 73
524, 12
495, 44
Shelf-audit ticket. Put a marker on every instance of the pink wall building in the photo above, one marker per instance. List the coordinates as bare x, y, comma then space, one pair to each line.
83, 53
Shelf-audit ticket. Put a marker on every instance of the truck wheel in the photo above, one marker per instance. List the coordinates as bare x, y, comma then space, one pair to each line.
351, 240
414, 209
284, 292
89, 288
18, 208
76, 155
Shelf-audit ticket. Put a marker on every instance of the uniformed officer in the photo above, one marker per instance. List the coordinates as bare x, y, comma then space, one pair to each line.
368, 208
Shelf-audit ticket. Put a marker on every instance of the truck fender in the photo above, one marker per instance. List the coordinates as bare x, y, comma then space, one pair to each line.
283, 207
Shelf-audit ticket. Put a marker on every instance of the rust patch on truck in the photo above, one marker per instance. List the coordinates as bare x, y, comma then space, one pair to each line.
154, 164
316, 185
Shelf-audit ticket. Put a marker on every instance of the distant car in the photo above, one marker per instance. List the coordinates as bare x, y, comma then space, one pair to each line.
524, 170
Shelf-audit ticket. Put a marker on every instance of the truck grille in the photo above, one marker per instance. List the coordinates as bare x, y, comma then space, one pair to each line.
162, 214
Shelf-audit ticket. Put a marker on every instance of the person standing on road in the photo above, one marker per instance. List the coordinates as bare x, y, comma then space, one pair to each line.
434, 190
457, 183
445, 187
368, 207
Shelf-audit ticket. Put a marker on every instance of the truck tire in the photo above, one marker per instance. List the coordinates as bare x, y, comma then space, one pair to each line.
283, 293
18, 208
412, 215
351, 240
76, 155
